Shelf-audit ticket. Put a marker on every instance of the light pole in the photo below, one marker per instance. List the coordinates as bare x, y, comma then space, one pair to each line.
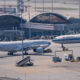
20, 7
22, 37
35, 5
43, 5
29, 19
4, 3
79, 8
52, 5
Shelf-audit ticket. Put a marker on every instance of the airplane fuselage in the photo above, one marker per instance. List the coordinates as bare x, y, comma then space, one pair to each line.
67, 39
13, 46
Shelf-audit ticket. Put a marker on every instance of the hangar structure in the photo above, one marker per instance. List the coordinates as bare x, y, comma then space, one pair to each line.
45, 24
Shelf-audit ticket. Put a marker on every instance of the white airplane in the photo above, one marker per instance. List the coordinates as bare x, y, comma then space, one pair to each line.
14, 46
67, 39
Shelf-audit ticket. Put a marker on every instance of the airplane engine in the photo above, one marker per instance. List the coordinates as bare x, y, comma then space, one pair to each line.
39, 49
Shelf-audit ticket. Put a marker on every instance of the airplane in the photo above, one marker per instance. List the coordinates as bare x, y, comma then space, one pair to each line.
67, 39
14, 46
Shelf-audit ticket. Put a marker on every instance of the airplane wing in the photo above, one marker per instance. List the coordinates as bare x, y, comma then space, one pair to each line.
30, 47
34, 46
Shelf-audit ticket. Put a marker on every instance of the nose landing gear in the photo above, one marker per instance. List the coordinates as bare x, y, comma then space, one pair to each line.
10, 53
64, 48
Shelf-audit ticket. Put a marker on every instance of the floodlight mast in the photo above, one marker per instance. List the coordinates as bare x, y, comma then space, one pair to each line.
29, 19
52, 5
79, 9
20, 9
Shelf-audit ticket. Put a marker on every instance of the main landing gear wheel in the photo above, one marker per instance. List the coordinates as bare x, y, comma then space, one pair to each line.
10, 53
25, 53
63, 48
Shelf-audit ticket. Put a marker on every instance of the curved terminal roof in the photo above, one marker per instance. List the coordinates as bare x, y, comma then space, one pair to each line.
74, 20
49, 18
10, 20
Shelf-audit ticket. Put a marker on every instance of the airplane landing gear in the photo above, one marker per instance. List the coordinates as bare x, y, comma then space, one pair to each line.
25, 53
64, 48
10, 53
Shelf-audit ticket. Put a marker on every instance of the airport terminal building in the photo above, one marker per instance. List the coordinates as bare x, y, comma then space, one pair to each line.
46, 24
10, 27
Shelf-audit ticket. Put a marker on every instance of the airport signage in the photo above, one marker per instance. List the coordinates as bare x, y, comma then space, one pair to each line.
7, 10
40, 26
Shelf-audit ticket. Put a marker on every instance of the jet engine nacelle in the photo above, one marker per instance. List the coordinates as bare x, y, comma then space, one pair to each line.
39, 49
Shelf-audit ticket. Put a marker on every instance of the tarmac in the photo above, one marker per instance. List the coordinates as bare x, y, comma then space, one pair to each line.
44, 68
